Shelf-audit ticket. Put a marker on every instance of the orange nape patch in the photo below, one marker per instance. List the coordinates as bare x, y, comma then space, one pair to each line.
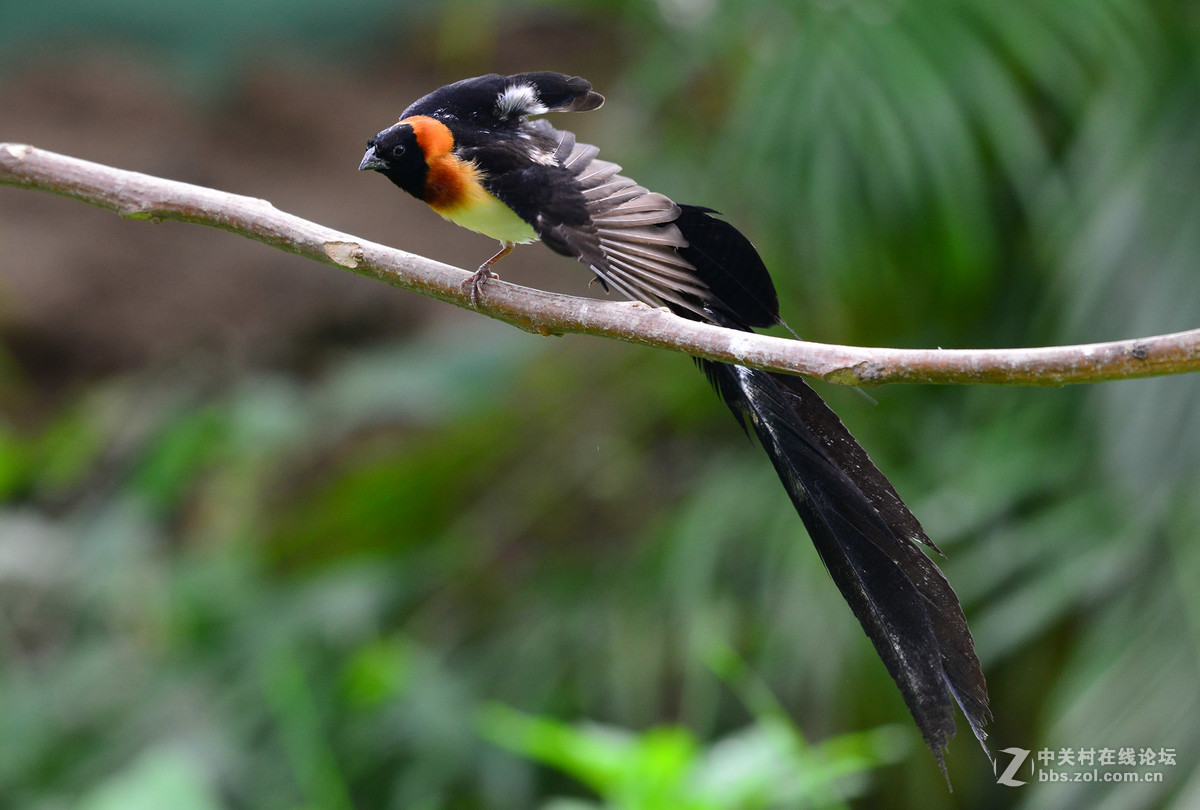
432, 135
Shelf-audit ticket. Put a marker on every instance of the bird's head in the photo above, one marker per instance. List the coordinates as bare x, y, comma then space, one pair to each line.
396, 153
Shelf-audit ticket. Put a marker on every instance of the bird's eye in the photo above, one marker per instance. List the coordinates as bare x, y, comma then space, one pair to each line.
398, 150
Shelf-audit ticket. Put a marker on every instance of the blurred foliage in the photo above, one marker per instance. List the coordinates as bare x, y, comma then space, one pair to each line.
480, 569
205, 42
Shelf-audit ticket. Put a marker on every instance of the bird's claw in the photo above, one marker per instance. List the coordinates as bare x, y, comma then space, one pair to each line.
484, 272
474, 284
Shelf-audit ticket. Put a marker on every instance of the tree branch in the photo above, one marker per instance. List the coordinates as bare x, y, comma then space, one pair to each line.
139, 196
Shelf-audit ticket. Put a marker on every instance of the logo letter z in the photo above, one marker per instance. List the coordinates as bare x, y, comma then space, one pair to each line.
1018, 759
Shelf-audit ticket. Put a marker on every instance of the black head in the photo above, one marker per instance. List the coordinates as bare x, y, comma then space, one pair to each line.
396, 154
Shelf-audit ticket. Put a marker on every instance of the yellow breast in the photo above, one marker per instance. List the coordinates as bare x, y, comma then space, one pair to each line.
479, 211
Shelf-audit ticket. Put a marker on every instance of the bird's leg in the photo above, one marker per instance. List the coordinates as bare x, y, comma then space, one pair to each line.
480, 277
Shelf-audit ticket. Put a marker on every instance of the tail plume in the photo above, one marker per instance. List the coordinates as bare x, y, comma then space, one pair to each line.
866, 536
871, 545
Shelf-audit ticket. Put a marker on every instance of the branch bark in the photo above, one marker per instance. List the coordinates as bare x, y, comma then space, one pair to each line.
140, 196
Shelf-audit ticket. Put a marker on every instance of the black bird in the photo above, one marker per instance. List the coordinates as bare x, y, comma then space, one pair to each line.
470, 151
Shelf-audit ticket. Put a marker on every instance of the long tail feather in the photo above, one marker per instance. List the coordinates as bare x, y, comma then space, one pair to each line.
870, 543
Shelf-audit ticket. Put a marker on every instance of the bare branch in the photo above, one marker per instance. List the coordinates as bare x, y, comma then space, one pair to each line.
139, 196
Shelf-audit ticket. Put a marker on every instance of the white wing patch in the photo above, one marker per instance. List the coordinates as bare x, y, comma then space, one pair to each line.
520, 100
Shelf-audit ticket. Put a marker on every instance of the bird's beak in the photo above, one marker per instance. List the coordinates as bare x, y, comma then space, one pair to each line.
371, 161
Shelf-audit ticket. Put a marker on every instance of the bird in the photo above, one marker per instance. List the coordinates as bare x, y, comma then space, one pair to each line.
477, 153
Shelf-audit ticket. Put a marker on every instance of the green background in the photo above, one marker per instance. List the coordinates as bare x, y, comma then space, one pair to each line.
275, 536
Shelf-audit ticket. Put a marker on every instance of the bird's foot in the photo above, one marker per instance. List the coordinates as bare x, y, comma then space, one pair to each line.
474, 284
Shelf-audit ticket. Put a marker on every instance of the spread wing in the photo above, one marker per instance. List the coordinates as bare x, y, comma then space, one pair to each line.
583, 207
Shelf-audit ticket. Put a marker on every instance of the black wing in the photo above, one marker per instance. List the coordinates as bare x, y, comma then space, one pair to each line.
583, 207
495, 101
